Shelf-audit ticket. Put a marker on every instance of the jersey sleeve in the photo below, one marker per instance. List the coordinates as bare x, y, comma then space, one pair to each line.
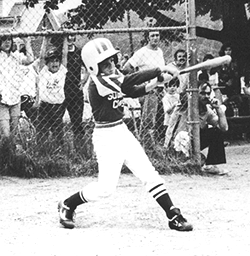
133, 83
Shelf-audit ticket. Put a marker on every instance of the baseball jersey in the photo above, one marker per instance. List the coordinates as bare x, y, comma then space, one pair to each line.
106, 93
51, 85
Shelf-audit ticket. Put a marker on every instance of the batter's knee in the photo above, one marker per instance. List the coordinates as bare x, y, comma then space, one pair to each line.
96, 192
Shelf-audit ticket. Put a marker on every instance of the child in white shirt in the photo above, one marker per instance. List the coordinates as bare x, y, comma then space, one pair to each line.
51, 94
170, 99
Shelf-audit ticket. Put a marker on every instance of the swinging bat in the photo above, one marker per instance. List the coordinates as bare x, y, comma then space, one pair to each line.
218, 61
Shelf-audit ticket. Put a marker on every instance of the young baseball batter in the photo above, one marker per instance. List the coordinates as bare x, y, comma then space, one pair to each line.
114, 144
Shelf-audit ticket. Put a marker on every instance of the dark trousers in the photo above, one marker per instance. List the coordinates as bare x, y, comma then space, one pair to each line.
74, 103
213, 139
27, 106
50, 119
159, 123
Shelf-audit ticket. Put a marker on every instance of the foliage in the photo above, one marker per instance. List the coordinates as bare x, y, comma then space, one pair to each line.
53, 161
96, 13
48, 5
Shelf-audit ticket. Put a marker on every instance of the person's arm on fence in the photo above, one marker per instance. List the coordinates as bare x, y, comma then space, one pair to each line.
29, 58
65, 51
38, 65
42, 53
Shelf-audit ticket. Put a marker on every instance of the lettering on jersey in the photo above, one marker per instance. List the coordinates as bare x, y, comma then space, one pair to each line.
117, 99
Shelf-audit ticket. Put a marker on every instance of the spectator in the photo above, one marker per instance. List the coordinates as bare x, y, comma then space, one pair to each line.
51, 93
211, 76
10, 75
29, 92
229, 77
132, 114
212, 113
180, 61
170, 100
124, 60
74, 98
28, 83
119, 59
159, 118
149, 56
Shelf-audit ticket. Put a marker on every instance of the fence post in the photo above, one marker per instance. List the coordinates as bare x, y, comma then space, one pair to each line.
193, 110
130, 34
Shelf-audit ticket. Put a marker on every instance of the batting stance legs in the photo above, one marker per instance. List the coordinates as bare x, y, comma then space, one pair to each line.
115, 146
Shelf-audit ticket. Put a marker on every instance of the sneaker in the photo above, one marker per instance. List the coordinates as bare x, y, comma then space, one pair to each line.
213, 169
66, 215
178, 222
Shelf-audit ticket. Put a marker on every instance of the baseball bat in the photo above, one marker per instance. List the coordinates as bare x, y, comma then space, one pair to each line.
218, 61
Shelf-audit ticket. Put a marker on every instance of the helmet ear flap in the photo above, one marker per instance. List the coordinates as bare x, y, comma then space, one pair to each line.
116, 59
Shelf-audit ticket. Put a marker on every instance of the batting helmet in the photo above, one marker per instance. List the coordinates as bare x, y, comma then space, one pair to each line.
96, 51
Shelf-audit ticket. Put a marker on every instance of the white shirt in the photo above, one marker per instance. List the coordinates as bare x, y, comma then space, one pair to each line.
51, 85
11, 77
131, 107
28, 85
146, 58
169, 101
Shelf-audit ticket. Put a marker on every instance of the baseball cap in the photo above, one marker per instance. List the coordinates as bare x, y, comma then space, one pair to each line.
51, 54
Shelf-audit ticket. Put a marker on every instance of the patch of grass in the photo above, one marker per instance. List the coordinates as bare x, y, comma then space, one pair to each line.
78, 159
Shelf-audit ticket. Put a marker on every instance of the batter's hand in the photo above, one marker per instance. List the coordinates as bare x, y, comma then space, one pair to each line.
164, 78
171, 70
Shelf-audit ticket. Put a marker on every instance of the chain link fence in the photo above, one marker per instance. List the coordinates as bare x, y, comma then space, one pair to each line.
45, 116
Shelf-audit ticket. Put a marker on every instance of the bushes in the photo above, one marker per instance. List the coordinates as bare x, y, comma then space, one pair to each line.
28, 160
51, 160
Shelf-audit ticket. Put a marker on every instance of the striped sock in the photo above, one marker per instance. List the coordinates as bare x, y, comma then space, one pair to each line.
160, 194
73, 201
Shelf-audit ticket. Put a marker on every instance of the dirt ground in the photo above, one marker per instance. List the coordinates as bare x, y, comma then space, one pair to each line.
130, 222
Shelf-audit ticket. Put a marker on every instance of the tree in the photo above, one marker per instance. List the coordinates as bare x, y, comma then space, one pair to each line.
232, 13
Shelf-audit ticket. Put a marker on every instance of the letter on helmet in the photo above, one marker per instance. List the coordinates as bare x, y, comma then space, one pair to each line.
96, 51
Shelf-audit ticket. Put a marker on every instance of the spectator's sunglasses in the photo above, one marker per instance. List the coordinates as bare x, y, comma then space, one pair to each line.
203, 93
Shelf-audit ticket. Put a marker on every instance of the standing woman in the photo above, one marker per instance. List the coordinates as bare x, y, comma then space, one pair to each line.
10, 77
229, 76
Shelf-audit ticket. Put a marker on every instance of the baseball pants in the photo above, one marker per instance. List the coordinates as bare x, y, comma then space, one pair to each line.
115, 146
